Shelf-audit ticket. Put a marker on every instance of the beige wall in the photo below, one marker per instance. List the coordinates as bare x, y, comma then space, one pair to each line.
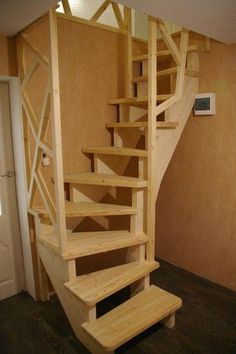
7, 56
196, 222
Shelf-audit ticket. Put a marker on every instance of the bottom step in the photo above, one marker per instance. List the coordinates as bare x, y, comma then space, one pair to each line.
132, 317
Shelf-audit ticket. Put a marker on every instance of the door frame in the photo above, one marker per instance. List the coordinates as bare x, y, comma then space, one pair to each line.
28, 281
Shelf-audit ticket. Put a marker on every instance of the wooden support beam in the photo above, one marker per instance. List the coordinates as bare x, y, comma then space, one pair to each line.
183, 58
100, 10
129, 63
170, 43
30, 74
152, 91
66, 7
29, 112
118, 15
45, 194
43, 59
56, 133
40, 135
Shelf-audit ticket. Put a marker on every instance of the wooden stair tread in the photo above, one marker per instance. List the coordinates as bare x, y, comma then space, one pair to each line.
162, 53
82, 244
94, 287
160, 73
138, 100
100, 179
82, 209
159, 125
96, 209
110, 150
132, 317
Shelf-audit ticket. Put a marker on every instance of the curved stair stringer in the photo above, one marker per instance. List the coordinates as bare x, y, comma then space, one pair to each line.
168, 140
60, 272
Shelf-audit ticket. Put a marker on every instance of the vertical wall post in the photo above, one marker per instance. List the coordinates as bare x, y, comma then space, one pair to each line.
152, 92
56, 133
129, 67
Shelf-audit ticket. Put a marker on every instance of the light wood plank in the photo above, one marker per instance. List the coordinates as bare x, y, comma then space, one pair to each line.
66, 7
183, 58
110, 150
101, 179
128, 54
100, 10
137, 100
56, 132
43, 59
30, 74
152, 89
118, 15
132, 317
162, 53
94, 287
87, 243
159, 125
161, 73
170, 43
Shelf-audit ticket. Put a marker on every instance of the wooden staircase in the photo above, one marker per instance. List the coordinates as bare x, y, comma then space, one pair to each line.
59, 251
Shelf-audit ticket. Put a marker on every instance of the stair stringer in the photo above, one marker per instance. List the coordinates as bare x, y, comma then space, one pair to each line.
168, 140
77, 313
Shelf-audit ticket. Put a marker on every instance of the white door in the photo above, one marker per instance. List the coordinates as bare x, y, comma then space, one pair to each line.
11, 267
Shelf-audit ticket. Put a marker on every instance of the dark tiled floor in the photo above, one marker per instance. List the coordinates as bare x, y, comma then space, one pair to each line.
205, 324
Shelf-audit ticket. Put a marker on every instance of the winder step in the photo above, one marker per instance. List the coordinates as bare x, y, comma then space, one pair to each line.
94, 287
132, 317
82, 244
101, 179
159, 125
82, 209
162, 53
111, 150
158, 74
138, 100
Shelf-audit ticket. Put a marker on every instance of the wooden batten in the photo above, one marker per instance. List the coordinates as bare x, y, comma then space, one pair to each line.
56, 133
152, 89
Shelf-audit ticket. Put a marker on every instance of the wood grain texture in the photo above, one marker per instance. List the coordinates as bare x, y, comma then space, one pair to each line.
82, 244
94, 287
127, 320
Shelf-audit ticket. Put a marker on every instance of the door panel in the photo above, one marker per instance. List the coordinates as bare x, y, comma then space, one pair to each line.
11, 267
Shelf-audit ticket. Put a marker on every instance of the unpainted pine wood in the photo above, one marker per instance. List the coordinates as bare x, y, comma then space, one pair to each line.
100, 10
43, 59
170, 43
92, 178
181, 69
133, 100
82, 244
132, 317
56, 132
78, 313
152, 89
66, 7
110, 150
94, 287
129, 66
118, 15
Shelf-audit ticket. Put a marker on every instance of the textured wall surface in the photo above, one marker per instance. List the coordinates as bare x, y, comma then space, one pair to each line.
196, 224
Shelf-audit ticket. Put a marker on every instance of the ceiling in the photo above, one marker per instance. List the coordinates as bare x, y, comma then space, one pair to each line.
213, 18
17, 14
